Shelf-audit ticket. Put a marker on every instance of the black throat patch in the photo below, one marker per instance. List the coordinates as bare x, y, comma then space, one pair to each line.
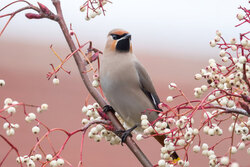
123, 45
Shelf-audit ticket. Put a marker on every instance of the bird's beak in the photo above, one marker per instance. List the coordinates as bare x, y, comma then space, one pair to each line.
127, 36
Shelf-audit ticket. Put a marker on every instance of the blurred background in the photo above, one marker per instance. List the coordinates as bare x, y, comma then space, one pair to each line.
171, 39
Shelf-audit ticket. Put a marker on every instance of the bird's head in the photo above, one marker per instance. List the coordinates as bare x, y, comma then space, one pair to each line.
119, 41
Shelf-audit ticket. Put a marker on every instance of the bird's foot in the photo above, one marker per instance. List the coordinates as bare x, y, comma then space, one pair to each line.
108, 108
125, 133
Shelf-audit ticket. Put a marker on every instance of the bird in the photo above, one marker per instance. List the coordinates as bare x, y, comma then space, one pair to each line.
126, 84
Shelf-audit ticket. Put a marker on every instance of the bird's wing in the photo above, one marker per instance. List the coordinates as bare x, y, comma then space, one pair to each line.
147, 85
148, 88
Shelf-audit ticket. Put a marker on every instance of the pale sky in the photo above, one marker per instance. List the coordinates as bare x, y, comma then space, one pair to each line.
167, 25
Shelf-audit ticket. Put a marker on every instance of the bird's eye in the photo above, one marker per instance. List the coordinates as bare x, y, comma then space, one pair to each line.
115, 36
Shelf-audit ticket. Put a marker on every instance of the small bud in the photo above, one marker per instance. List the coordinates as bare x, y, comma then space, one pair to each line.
82, 8
44, 9
218, 33
233, 41
33, 16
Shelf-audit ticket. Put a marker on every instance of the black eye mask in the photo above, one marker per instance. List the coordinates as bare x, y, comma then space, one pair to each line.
116, 37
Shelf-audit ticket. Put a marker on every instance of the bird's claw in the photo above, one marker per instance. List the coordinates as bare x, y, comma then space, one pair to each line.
125, 133
108, 108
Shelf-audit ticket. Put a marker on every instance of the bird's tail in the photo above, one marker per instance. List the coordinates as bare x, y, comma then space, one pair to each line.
161, 139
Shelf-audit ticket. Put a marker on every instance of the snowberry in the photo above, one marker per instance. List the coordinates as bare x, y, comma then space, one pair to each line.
222, 53
212, 43
53, 163
32, 116
10, 132
35, 130
240, 16
84, 109
38, 157
204, 146
139, 137
96, 105
181, 142
234, 47
93, 14
11, 110
224, 59
6, 125
8, 101
49, 157
95, 83
31, 163
180, 162
196, 148
60, 162
170, 99
241, 146
224, 160
144, 117
204, 88
233, 41
85, 121
144, 122
242, 60
234, 164
44, 107
248, 150
56, 81
172, 86
2, 82
19, 160
244, 42
217, 38
218, 33
161, 163
97, 138
197, 76
233, 150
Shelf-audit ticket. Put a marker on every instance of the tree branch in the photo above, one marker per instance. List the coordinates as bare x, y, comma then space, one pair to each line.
233, 110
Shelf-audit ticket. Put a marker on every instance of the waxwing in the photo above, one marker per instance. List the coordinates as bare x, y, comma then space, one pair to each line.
126, 84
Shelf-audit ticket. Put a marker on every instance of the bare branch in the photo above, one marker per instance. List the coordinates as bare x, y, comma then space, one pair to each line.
233, 110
